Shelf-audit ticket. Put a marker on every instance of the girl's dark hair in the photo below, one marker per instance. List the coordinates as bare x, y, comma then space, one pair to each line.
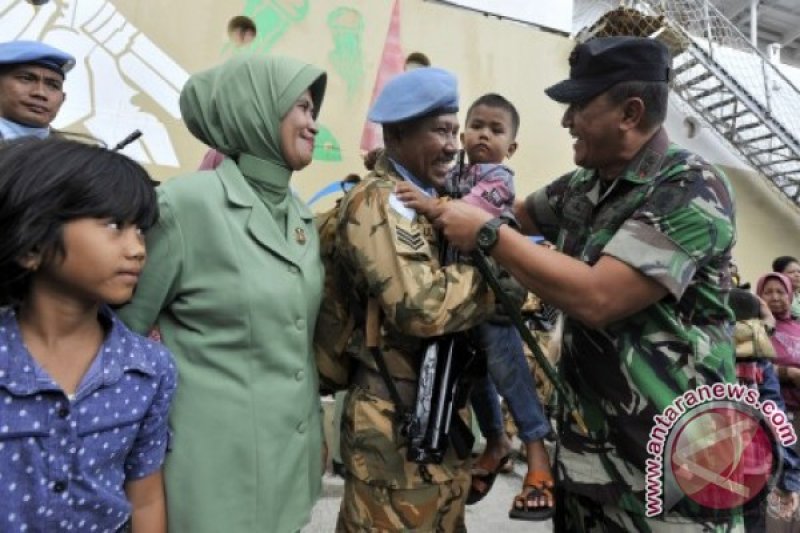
779, 264
46, 183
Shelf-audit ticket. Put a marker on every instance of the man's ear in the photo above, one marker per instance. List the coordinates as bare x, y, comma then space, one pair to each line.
633, 112
511, 149
461, 138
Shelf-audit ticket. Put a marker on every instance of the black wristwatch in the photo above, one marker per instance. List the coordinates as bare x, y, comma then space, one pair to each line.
487, 235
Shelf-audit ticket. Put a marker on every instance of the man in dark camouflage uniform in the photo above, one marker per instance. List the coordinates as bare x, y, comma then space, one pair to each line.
393, 256
645, 231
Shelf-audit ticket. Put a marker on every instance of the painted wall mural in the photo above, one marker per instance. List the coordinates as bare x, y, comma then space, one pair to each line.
273, 18
347, 57
116, 65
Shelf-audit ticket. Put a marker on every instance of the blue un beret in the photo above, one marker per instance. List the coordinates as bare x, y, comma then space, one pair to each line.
414, 94
598, 64
35, 53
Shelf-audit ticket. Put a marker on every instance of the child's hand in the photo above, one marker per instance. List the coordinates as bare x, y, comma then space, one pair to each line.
415, 199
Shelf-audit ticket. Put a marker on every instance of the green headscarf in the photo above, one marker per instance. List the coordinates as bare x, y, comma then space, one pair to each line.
237, 108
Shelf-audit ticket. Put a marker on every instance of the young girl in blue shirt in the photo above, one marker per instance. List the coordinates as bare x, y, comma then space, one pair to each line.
83, 400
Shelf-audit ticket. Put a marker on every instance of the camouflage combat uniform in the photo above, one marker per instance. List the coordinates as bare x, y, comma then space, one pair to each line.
670, 216
392, 255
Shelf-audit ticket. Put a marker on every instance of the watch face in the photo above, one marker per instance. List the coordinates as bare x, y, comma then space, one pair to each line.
486, 237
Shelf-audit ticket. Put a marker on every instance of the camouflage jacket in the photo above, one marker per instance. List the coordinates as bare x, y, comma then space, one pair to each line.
670, 215
393, 255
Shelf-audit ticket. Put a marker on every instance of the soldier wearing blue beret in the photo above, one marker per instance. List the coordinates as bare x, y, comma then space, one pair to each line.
391, 257
415, 94
31, 87
644, 230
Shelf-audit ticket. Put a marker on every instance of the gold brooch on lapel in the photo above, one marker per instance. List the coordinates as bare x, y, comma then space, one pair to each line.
300, 235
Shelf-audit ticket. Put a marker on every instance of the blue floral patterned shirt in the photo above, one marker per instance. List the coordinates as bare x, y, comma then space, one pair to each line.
65, 460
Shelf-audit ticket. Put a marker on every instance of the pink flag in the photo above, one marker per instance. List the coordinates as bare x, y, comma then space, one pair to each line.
392, 61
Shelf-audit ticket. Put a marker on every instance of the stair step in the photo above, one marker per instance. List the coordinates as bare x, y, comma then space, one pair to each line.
697, 79
748, 126
740, 114
759, 138
683, 67
767, 150
778, 162
721, 103
790, 175
708, 92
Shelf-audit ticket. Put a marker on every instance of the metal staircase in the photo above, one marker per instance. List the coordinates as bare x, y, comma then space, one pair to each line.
723, 79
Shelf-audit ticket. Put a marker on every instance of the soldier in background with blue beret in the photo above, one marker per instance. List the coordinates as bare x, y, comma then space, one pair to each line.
391, 256
31, 88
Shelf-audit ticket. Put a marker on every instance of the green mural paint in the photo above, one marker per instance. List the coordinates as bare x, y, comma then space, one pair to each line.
326, 147
347, 57
273, 18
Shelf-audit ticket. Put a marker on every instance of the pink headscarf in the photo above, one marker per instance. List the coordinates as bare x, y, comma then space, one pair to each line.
785, 340
787, 283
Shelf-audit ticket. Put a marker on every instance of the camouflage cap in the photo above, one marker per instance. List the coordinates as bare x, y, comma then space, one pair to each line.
598, 64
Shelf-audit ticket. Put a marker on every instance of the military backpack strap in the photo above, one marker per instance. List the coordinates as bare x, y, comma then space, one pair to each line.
373, 334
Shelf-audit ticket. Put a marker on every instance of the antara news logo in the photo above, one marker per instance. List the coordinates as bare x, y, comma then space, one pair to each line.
719, 445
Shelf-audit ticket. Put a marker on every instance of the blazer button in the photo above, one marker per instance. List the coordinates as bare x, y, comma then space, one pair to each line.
59, 486
299, 375
301, 427
293, 269
300, 323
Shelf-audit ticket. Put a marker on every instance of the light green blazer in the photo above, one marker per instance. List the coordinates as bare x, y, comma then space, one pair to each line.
236, 302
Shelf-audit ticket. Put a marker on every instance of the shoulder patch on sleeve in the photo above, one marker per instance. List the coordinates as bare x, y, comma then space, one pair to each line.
396, 205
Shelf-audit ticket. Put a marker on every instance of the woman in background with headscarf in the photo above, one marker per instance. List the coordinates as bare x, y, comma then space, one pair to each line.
234, 282
790, 267
776, 291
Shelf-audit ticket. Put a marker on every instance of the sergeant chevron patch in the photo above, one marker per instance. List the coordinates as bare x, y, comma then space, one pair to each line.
415, 241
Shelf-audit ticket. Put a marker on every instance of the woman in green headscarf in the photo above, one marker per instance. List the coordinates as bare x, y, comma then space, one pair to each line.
234, 282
